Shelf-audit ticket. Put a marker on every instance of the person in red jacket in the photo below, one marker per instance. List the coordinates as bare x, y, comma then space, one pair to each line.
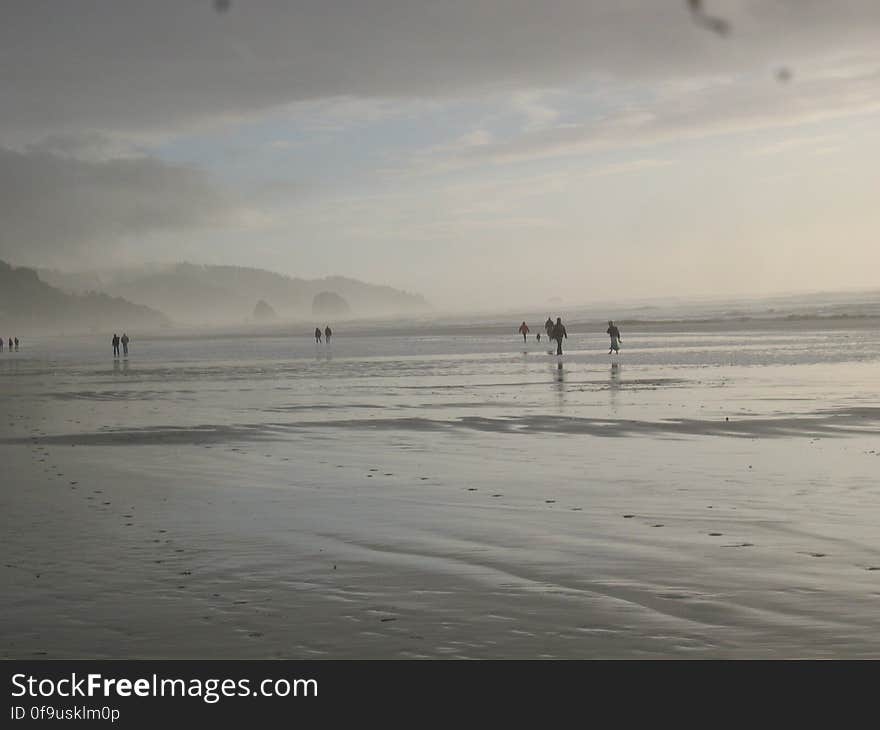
524, 330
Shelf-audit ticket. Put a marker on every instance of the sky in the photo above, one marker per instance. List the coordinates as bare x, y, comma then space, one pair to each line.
484, 153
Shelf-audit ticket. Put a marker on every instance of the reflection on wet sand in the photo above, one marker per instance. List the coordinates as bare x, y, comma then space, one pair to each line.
559, 385
614, 385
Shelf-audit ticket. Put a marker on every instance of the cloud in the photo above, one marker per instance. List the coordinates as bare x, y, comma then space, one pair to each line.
813, 143
57, 208
683, 111
535, 107
125, 65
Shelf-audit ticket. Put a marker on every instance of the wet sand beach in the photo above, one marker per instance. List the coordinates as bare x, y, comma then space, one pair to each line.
710, 496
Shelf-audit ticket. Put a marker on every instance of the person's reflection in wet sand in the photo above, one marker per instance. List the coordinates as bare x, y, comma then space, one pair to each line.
125, 366
559, 384
614, 384
115, 364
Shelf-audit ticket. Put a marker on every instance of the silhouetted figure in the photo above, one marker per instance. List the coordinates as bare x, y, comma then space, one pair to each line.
538, 337
125, 342
558, 333
327, 333
10, 344
548, 327
16, 344
524, 330
614, 333
1, 344
317, 335
115, 342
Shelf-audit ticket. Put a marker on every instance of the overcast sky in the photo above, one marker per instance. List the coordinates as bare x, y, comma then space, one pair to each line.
485, 153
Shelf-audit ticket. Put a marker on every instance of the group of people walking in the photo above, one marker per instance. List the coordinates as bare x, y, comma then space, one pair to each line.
556, 332
117, 341
13, 344
328, 333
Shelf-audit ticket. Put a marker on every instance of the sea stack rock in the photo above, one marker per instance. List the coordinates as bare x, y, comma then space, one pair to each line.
328, 303
263, 312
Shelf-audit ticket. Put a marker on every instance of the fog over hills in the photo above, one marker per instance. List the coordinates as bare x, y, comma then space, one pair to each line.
28, 304
197, 294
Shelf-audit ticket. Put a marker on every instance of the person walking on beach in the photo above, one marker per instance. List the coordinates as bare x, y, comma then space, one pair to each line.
524, 330
317, 335
558, 333
16, 344
115, 342
548, 327
10, 344
614, 333
538, 337
327, 333
124, 342
1, 344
